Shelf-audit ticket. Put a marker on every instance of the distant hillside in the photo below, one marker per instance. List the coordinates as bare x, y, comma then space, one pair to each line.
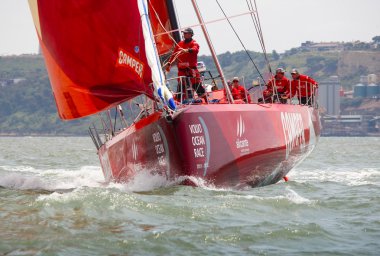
27, 105
348, 65
353, 64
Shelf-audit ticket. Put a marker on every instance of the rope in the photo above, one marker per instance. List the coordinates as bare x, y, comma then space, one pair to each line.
259, 32
245, 49
162, 26
166, 32
207, 22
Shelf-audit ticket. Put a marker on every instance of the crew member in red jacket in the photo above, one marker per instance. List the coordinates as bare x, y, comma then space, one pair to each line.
186, 55
278, 86
239, 92
304, 86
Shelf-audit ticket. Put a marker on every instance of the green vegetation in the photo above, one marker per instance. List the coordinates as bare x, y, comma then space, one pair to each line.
28, 107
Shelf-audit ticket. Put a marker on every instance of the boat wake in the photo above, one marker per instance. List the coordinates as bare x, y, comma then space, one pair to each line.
64, 180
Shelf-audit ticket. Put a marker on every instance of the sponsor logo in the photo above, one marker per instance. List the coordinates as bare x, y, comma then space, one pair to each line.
294, 132
240, 127
200, 141
159, 148
197, 140
127, 60
241, 143
135, 152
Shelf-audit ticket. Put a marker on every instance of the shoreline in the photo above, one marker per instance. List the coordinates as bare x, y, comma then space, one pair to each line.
41, 135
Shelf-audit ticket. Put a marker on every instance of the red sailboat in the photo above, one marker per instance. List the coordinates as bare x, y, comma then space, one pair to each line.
103, 54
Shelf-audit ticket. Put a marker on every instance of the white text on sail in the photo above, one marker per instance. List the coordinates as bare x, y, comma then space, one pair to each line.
127, 60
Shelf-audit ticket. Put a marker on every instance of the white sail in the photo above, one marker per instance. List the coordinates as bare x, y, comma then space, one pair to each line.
158, 77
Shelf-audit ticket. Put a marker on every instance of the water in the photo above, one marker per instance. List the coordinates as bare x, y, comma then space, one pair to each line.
53, 201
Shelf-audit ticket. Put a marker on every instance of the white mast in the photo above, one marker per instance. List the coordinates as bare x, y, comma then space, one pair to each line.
204, 29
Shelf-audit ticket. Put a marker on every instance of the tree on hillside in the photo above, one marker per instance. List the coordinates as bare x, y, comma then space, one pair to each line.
275, 55
376, 39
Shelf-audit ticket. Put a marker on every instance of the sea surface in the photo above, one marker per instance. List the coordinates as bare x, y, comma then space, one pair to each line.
54, 201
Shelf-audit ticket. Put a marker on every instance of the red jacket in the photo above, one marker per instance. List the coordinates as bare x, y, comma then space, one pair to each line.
185, 59
239, 92
282, 85
303, 86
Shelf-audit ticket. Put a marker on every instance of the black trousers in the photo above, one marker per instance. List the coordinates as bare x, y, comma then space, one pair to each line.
305, 100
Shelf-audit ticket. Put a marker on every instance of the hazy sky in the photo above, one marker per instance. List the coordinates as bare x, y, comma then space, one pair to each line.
285, 23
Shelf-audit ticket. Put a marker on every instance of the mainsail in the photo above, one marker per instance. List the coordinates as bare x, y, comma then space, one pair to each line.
163, 19
95, 52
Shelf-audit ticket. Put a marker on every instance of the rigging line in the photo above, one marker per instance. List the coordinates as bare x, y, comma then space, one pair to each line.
257, 69
166, 32
174, 58
207, 22
253, 16
162, 26
262, 36
257, 25
259, 33
256, 21
257, 28
165, 62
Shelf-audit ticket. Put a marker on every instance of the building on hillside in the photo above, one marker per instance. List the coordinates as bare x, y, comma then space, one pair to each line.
323, 46
367, 88
329, 95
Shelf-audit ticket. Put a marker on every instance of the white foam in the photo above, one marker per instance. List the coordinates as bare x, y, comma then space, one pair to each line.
294, 197
24, 177
290, 195
19, 181
350, 177
20, 168
145, 180
63, 197
204, 184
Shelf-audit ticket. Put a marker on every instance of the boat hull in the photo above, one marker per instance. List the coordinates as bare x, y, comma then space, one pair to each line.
229, 145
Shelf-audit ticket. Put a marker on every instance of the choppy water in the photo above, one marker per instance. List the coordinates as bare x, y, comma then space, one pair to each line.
53, 201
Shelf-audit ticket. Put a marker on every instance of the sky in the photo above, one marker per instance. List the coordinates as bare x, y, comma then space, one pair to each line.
285, 23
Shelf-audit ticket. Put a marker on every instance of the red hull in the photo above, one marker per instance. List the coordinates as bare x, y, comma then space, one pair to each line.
225, 144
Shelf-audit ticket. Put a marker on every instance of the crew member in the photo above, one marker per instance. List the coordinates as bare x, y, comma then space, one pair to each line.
304, 86
278, 87
186, 55
239, 92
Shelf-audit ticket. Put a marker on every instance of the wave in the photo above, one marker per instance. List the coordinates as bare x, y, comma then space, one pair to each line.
58, 180
346, 176
29, 178
289, 195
